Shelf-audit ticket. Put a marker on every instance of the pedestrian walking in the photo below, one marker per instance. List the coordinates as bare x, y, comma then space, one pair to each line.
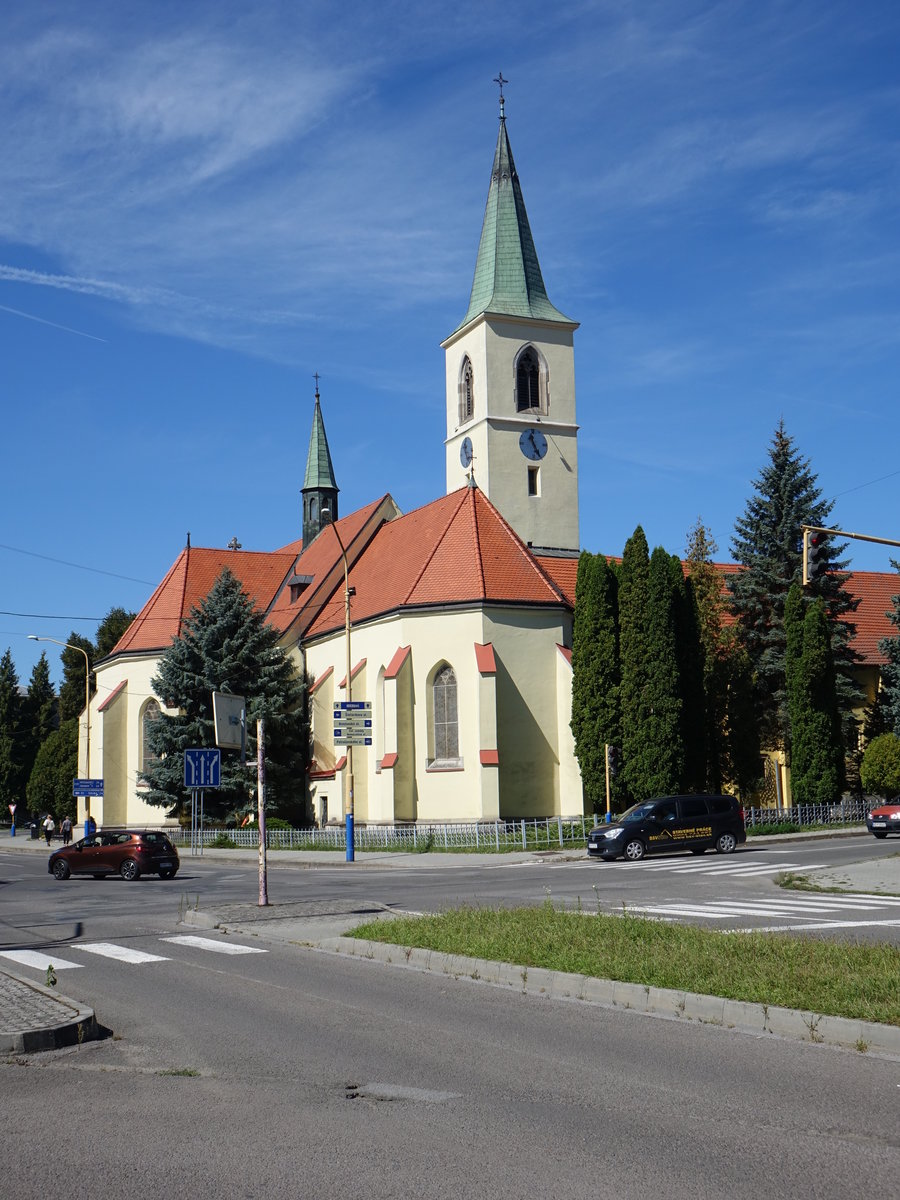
48, 825
66, 828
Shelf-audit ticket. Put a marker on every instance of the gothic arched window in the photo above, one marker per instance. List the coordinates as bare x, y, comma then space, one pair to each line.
150, 714
466, 391
528, 381
446, 723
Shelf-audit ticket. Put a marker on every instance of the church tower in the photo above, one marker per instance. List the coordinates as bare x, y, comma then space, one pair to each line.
511, 377
319, 491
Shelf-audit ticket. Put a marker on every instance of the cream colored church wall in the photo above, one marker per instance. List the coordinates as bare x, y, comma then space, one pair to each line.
116, 744
532, 760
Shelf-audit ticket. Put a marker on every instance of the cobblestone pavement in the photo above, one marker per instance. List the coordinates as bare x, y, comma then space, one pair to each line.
35, 1018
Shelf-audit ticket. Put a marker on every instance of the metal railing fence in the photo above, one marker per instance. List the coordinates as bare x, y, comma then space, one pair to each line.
495, 836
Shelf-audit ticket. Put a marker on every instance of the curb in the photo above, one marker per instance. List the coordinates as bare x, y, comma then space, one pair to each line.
76, 1023
742, 1016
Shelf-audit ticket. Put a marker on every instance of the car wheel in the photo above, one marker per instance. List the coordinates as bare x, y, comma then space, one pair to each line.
725, 843
699, 850
634, 850
61, 869
168, 873
878, 835
129, 870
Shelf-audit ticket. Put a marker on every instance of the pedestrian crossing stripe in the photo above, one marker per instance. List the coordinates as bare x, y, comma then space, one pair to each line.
31, 958
202, 943
787, 907
41, 961
120, 953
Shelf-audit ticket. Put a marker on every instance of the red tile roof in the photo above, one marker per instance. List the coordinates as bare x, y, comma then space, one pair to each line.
456, 550
189, 580
876, 592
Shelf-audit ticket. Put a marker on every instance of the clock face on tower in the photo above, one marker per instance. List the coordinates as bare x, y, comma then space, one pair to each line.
465, 452
533, 444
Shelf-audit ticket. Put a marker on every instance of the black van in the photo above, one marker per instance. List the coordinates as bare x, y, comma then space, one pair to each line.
695, 823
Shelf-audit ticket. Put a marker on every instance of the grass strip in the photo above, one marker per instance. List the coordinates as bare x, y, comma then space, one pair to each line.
832, 978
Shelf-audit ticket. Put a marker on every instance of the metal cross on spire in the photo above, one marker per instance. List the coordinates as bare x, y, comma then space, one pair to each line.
500, 80
316, 378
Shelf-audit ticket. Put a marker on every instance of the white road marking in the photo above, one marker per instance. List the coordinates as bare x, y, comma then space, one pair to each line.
202, 943
787, 907
121, 953
31, 958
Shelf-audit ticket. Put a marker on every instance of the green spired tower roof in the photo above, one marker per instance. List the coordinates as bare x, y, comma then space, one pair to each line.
319, 468
508, 278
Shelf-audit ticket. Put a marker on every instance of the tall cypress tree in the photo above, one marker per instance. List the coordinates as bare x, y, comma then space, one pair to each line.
887, 705
715, 650
596, 718
689, 657
768, 543
651, 702
817, 758
225, 645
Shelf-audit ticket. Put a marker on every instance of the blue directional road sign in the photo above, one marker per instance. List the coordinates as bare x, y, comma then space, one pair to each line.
87, 787
201, 768
353, 722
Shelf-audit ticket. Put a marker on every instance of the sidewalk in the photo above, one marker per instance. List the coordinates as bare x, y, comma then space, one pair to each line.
37, 1018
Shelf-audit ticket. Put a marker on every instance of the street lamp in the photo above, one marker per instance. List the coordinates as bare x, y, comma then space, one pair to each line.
33, 637
348, 804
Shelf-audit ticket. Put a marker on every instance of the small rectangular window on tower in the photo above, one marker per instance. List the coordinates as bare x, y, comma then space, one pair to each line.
534, 480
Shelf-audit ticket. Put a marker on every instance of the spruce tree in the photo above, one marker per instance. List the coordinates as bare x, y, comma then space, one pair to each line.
12, 736
40, 711
225, 645
887, 705
768, 544
817, 759
596, 720
742, 762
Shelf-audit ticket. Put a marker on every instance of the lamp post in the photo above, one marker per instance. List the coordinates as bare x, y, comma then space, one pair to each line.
348, 803
33, 637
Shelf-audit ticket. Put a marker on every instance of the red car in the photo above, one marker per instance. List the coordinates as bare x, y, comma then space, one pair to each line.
884, 819
117, 852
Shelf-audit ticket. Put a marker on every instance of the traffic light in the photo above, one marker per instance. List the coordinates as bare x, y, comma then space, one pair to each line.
814, 555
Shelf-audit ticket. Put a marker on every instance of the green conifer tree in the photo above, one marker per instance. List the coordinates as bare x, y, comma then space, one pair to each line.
689, 658
887, 706
40, 711
12, 737
768, 543
596, 720
49, 786
651, 701
71, 691
225, 645
817, 757
110, 629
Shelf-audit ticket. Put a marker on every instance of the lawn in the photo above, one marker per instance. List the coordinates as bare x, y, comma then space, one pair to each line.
833, 978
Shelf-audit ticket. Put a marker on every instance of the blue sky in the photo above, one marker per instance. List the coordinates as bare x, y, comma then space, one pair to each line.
201, 205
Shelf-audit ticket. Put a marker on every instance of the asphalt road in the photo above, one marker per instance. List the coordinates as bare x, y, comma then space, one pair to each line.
274, 1070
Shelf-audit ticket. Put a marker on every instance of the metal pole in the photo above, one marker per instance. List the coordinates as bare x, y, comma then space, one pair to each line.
348, 803
608, 807
261, 809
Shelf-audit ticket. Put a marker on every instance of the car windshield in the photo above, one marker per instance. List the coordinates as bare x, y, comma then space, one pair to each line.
637, 812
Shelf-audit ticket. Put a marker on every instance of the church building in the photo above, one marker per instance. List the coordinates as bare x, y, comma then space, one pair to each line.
461, 611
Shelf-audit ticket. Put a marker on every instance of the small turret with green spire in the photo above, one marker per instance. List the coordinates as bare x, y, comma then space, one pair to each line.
320, 490
508, 280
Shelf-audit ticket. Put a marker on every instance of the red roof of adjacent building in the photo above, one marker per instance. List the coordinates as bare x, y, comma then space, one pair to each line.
876, 593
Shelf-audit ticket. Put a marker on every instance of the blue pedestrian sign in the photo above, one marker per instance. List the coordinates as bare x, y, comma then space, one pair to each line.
201, 768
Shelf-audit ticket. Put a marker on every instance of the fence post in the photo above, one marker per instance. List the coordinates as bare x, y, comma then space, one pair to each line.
524, 846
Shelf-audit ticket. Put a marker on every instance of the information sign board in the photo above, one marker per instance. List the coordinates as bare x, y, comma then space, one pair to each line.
202, 768
87, 787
